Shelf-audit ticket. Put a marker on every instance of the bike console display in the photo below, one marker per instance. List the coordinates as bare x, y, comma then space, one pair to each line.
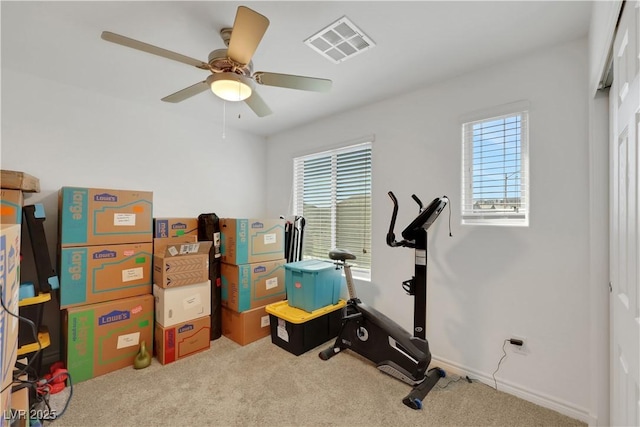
423, 221
426, 218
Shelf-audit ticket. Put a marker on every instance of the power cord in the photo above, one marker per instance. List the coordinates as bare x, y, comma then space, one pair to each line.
35, 337
43, 394
504, 354
466, 378
449, 204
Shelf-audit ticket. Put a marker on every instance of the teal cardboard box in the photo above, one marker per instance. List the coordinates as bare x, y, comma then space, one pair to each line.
249, 286
92, 274
97, 216
247, 241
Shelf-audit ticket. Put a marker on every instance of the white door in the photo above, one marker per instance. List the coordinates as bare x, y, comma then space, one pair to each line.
624, 242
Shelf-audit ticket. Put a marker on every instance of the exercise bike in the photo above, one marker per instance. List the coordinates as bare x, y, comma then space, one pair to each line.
378, 338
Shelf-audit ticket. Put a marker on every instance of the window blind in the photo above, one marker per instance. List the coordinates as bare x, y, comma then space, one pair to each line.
495, 176
332, 190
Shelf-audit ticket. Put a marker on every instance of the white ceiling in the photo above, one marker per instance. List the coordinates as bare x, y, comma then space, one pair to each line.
417, 43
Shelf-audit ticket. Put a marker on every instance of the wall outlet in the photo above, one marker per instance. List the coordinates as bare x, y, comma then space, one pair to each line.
520, 349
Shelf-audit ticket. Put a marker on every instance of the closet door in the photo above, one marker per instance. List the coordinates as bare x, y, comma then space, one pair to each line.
624, 242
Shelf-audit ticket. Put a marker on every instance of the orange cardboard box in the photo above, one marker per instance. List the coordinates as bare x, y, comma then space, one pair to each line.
19, 181
184, 339
245, 327
181, 264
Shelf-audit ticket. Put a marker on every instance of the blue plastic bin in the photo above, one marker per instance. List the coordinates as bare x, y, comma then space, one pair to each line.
312, 284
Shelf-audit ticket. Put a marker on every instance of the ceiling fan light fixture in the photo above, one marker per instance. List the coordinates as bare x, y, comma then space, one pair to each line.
230, 86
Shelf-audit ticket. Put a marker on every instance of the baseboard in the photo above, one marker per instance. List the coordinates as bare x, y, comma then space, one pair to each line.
545, 401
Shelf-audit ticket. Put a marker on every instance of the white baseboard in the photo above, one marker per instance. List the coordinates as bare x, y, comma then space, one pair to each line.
545, 401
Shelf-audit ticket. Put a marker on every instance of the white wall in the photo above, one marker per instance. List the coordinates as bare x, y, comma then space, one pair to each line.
485, 283
66, 136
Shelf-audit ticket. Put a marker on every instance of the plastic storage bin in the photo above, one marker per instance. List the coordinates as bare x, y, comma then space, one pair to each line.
312, 284
297, 331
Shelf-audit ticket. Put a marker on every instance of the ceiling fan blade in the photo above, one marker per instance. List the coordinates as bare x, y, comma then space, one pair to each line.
248, 29
145, 47
293, 82
257, 104
188, 92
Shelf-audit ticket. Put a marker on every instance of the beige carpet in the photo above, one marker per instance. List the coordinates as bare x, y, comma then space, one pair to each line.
263, 385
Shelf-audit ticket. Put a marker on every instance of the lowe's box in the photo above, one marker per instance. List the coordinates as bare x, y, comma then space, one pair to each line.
249, 286
11, 206
104, 337
182, 263
91, 274
184, 339
312, 284
10, 283
246, 241
174, 227
96, 216
182, 303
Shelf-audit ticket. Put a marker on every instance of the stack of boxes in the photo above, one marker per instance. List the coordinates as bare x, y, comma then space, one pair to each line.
105, 255
181, 288
13, 184
252, 275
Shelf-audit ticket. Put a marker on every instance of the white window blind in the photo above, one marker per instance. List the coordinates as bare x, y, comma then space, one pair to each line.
332, 191
495, 170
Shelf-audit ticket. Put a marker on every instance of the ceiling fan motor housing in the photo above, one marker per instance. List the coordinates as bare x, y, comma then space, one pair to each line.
221, 63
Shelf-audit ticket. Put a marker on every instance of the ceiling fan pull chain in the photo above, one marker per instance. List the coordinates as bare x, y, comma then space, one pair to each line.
224, 118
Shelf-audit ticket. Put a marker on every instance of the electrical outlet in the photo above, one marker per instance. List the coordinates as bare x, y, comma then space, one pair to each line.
520, 349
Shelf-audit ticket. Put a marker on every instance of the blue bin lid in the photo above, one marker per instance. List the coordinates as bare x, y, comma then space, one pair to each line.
310, 265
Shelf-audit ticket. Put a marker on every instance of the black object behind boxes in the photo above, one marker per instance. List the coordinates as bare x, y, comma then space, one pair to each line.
209, 229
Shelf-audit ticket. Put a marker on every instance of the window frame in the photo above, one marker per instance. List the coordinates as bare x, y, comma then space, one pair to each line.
333, 152
471, 216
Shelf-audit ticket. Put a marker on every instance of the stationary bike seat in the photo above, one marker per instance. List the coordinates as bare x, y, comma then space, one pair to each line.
341, 255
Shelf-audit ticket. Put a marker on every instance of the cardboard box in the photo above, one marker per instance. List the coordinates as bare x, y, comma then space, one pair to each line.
174, 227
181, 264
246, 241
104, 337
249, 286
19, 181
10, 283
11, 202
96, 216
184, 339
92, 274
19, 403
160, 244
245, 327
182, 303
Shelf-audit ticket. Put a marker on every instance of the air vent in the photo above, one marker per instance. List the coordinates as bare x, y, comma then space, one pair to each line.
340, 41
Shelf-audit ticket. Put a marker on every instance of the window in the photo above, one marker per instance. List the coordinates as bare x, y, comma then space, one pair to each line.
495, 170
332, 191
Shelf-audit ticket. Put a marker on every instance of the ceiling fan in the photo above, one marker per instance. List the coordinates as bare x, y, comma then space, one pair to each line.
232, 77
